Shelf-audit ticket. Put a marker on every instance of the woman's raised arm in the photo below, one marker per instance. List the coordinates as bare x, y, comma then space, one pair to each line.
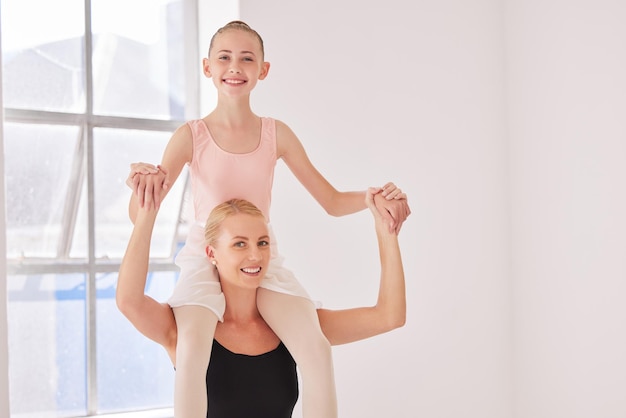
153, 319
349, 325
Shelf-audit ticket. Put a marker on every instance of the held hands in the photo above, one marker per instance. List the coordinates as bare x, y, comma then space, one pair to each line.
380, 221
391, 203
148, 183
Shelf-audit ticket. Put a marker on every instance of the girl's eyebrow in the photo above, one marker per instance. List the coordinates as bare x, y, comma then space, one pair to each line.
228, 51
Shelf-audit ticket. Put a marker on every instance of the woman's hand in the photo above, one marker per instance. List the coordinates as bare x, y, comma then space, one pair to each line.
392, 204
371, 203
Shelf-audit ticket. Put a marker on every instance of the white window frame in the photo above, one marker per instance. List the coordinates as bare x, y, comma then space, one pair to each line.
92, 266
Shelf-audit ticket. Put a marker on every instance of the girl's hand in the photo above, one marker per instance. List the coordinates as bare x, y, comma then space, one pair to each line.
390, 191
147, 183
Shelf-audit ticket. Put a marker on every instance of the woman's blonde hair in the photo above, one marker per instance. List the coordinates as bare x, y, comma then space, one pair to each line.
223, 211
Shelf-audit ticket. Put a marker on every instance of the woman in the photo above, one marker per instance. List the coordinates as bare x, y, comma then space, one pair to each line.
255, 375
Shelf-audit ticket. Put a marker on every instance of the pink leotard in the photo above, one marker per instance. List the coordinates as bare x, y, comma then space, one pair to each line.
216, 176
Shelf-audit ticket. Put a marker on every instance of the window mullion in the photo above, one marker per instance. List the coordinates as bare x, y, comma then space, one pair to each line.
90, 285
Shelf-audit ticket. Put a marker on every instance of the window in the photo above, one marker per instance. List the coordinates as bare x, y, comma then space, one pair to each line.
89, 86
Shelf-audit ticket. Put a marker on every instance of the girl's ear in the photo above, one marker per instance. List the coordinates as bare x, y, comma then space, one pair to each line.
265, 68
205, 67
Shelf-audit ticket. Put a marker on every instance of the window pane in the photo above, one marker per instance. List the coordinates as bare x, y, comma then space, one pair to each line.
46, 315
113, 226
133, 371
38, 161
138, 58
42, 57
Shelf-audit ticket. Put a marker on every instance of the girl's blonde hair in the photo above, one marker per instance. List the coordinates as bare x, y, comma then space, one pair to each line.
223, 211
237, 25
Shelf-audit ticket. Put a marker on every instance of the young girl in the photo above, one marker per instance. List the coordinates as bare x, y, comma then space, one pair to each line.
231, 154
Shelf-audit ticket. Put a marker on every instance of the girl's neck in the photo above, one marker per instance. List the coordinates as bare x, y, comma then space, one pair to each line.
233, 111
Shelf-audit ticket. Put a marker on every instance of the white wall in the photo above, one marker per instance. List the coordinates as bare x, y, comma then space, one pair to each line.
567, 98
409, 91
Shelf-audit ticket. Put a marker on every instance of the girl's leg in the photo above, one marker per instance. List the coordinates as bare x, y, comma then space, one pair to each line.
197, 303
196, 328
294, 319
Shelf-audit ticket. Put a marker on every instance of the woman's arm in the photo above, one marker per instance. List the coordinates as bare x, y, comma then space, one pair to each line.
349, 325
153, 319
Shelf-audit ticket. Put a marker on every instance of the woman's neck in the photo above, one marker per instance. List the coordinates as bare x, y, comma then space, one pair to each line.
241, 305
244, 330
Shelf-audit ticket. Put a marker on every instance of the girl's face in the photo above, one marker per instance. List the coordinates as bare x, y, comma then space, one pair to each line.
242, 251
235, 62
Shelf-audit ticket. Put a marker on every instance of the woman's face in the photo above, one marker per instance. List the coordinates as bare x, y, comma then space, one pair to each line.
242, 251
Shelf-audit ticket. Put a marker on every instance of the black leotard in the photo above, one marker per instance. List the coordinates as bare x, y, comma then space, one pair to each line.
243, 386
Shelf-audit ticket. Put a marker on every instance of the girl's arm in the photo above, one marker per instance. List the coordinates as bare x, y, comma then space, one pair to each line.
394, 207
153, 319
335, 203
151, 184
349, 325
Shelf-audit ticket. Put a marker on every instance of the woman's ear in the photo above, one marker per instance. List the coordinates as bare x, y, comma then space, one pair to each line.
210, 252
205, 67
265, 68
